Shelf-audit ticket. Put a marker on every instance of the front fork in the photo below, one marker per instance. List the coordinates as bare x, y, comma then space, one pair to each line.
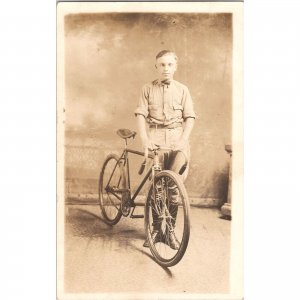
156, 168
159, 205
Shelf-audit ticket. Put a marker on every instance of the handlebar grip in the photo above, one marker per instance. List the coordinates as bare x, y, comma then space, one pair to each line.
142, 167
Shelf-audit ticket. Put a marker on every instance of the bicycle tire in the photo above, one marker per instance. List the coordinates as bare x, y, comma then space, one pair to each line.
165, 222
109, 203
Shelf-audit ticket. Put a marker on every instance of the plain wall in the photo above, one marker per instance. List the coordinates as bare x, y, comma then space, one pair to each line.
108, 58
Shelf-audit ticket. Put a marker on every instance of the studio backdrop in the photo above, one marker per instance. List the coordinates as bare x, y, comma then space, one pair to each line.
110, 56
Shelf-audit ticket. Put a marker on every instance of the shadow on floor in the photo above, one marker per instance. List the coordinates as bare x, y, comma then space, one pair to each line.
84, 223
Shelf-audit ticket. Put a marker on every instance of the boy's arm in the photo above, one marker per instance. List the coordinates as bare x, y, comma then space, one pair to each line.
189, 120
143, 132
189, 124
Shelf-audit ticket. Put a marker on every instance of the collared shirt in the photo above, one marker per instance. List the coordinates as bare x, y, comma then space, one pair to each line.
165, 104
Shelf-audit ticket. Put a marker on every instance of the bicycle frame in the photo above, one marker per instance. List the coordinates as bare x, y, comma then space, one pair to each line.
125, 162
124, 157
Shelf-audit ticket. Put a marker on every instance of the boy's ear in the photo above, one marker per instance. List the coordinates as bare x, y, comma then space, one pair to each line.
155, 66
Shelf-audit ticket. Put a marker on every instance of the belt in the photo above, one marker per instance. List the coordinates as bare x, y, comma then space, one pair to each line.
162, 126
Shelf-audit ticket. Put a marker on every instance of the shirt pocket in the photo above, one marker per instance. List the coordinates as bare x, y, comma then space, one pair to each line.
153, 110
177, 109
177, 106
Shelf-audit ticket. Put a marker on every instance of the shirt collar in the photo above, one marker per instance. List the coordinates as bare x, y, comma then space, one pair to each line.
165, 82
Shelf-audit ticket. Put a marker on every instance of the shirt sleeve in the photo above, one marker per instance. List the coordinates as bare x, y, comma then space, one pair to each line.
142, 107
188, 106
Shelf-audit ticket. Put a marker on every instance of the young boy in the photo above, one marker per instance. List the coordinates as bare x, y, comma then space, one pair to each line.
166, 108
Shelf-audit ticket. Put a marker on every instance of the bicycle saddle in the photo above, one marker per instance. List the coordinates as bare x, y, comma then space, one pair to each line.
126, 133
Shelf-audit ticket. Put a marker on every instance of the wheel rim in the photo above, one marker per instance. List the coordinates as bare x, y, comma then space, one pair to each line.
110, 198
169, 219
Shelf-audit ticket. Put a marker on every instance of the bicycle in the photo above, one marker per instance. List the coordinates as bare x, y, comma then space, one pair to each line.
161, 214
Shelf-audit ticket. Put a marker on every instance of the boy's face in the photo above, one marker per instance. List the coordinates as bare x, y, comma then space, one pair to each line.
166, 66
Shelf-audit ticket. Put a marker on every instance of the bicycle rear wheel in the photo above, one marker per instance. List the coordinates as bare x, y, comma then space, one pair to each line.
167, 220
110, 180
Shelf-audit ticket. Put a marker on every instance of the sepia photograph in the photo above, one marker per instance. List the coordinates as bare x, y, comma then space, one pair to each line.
149, 150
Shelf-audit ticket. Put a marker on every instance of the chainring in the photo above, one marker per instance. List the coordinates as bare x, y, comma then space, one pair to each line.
125, 204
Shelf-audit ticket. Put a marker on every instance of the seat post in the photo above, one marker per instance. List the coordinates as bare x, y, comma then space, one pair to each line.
125, 140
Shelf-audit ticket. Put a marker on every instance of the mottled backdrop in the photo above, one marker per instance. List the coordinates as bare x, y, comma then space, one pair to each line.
108, 58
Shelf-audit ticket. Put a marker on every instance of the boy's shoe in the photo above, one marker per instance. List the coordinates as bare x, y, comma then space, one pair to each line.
173, 242
154, 237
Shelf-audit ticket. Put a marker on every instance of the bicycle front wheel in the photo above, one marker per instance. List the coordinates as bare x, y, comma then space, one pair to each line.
110, 180
167, 220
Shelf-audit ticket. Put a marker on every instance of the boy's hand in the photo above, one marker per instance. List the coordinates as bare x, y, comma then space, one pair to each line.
148, 144
180, 145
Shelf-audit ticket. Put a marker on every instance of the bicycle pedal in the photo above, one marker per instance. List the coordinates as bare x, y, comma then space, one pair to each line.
136, 216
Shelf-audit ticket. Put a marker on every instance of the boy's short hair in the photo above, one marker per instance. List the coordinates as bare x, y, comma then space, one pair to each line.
164, 52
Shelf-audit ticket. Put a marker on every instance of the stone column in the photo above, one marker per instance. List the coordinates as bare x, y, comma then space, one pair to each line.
226, 208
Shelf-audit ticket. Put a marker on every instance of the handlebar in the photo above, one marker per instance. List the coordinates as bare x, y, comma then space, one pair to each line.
159, 147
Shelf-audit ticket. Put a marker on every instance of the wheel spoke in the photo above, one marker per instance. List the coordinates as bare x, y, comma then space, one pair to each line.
111, 201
